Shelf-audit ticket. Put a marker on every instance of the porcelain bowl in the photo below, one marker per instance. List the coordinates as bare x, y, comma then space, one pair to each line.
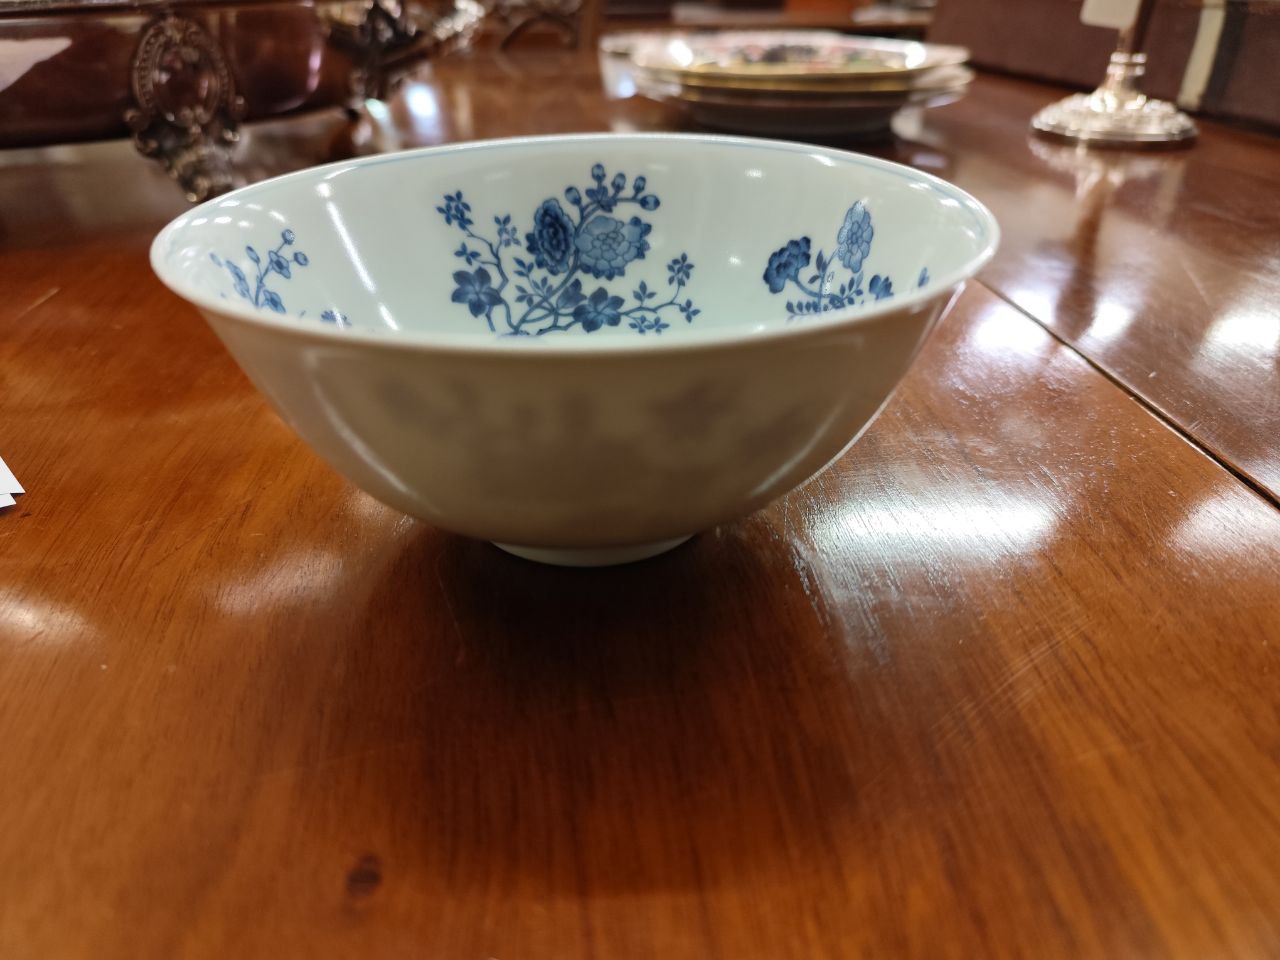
583, 348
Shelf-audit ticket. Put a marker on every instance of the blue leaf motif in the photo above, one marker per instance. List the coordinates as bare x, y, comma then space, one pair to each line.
881, 287
679, 270
238, 279
571, 296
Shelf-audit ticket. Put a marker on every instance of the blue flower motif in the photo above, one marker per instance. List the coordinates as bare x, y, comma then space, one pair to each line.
456, 210
606, 246
572, 241
786, 264
599, 310
239, 280
881, 287
678, 270
825, 290
476, 291
853, 241
333, 316
278, 263
551, 241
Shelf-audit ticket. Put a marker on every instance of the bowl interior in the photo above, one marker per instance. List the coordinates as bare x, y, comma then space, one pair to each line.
603, 236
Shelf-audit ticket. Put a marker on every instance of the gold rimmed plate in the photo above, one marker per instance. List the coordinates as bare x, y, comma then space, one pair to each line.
850, 119
762, 57
785, 86
766, 101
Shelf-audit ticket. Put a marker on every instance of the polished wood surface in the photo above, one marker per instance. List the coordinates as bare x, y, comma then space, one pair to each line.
1160, 268
999, 683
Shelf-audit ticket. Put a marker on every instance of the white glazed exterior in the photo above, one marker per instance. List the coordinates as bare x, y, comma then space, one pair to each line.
594, 448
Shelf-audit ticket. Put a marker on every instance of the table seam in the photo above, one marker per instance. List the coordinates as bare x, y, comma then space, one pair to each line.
1262, 491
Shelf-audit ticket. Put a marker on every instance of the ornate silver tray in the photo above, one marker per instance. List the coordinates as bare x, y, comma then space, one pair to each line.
180, 77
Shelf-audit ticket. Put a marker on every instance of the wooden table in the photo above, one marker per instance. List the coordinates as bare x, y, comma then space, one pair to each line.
1002, 682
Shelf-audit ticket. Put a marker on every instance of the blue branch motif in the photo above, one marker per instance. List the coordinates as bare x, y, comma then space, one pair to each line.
277, 262
550, 287
819, 289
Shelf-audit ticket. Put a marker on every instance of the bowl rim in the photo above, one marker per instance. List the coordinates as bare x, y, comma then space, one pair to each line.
484, 342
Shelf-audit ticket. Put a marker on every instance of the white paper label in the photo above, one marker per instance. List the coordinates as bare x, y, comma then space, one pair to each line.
1116, 14
8, 482
6, 500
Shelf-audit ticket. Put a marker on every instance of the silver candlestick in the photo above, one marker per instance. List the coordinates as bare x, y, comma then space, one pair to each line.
1118, 113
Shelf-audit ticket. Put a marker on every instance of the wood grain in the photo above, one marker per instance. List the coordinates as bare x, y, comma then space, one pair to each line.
1000, 683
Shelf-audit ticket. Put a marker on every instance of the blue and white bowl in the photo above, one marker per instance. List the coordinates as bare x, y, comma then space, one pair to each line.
583, 348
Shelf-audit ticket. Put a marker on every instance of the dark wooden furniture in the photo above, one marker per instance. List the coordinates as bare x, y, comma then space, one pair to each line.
1002, 682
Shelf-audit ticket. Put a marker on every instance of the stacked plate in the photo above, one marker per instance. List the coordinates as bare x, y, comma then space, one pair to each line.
807, 83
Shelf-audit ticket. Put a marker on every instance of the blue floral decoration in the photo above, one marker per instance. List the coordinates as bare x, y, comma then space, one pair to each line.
820, 289
278, 262
551, 241
853, 240
678, 270
786, 264
606, 246
599, 310
881, 287
476, 291
334, 317
566, 245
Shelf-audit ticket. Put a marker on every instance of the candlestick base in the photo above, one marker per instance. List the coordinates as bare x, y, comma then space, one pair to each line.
1117, 113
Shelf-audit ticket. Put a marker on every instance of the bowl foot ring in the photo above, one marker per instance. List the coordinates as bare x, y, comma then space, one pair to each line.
592, 556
